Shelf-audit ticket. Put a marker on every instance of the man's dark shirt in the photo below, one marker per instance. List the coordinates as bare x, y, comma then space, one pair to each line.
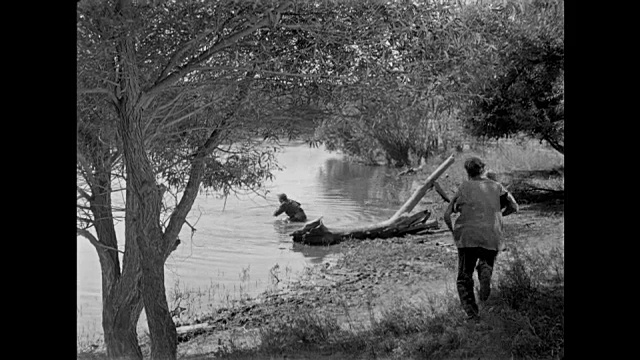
292, 209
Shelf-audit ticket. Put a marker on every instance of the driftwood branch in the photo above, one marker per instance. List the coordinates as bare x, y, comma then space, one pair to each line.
419, 194
400, 224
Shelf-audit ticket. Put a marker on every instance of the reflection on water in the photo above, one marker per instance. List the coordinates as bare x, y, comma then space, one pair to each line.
316, 254
238, 241
284, 227
364, 185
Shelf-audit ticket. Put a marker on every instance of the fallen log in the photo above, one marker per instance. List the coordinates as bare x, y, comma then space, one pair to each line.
190, 328
398, 225
316, 233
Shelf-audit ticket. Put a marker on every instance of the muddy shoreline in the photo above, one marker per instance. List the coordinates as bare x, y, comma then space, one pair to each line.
350, 286
364, 279
367, 277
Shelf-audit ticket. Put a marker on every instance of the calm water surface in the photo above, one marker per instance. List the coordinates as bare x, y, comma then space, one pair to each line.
238, 241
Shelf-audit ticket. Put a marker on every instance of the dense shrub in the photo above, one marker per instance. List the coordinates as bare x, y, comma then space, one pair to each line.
524, 94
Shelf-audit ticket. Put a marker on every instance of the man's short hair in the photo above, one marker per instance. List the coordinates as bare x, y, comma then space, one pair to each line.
282, 197
474, 166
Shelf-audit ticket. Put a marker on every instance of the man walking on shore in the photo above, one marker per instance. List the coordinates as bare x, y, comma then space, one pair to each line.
478, 230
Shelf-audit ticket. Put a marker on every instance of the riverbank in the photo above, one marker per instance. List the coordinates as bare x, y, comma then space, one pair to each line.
396, 298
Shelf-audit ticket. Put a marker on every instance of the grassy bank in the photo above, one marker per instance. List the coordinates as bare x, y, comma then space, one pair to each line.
523, 319
396, 298
417, 319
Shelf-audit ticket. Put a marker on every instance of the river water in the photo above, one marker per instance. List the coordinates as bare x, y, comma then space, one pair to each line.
239, 248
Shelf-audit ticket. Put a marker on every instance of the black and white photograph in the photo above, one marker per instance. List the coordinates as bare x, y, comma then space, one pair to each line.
320, 179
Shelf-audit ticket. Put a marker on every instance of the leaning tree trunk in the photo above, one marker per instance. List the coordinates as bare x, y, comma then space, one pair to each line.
400, 224
123, 306
120, 314
121, 301
148, 236
146, 230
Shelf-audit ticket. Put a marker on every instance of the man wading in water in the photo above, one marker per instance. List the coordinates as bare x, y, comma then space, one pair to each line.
291, 208
482, 203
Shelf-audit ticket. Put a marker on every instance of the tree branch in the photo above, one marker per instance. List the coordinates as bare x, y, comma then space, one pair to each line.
554, 144
171, 104
95, 242
86, 168
266, 72
173, 77
83, 193
179, 215
182, 118
188, 45
85, 91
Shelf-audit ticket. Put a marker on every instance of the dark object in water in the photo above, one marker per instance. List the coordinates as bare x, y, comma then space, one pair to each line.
316, 233
292, 208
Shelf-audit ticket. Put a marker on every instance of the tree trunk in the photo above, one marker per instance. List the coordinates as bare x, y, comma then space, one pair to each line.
162, 329
145, 233
121, 302
144, 199
400, 224
120, 317
121, 305
315, 233
121, 309
419, 194
148, 238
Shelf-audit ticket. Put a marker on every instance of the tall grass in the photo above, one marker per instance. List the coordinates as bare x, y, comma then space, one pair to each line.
508, 156
190, 305
531, 291
505, 156
524, 318
513, 160
89, 338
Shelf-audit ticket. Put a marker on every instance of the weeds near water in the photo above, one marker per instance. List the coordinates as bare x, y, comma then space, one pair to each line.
274, 274
191, 304
403, 331
305, 330
278, 278
89, 339
244, 274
